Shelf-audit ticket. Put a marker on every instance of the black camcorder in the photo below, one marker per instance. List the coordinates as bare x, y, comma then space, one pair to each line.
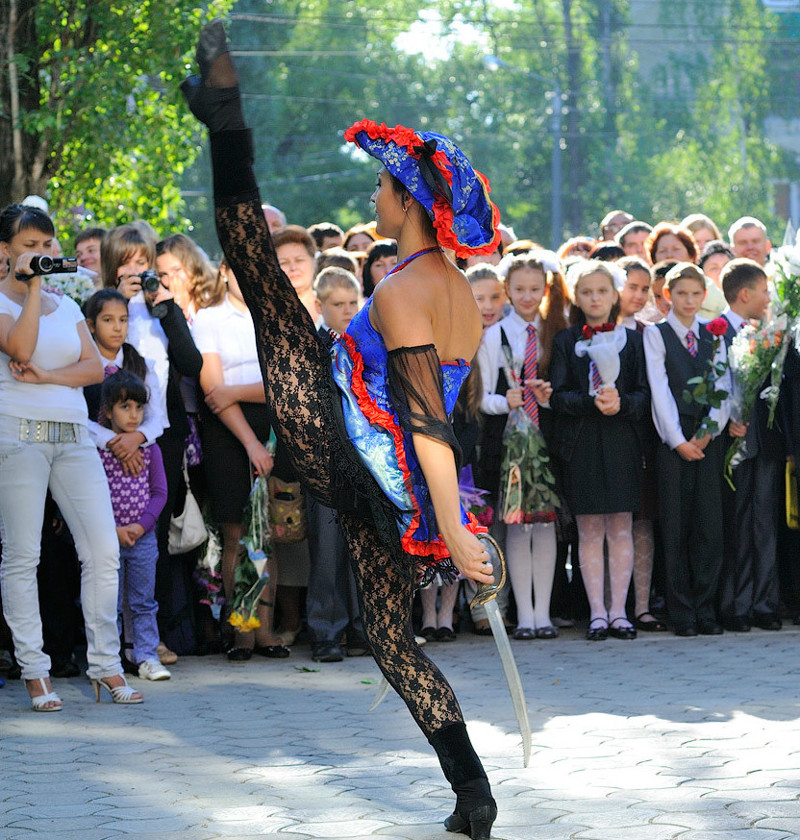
44, 264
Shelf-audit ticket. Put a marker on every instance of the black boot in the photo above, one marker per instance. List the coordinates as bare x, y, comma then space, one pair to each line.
213, 96
475, 808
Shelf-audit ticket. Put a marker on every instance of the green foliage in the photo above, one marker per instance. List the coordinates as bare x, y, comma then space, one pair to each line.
702, 390
106, 132
105, 126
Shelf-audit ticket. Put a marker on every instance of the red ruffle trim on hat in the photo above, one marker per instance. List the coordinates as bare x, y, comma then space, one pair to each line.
386, 420
442, 211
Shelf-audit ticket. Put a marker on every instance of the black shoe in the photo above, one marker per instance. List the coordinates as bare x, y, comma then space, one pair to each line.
547, 632
428, 633
326, 652
445, 634
475, 809
524, 634
767, 622
598, 633
238, 654
66, 669
709, 628
651, 626
357, 644
272, 651
217, 106
474, 820
737, 625
685, 630
622, 631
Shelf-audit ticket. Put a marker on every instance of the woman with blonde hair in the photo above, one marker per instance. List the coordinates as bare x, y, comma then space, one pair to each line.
181, 266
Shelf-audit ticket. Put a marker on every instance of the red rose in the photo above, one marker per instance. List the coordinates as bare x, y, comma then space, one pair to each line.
587, 332
718, 327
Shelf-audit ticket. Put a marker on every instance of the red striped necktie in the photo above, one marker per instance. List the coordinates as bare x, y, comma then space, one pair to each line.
110, 370
691, 344
531, 372
594, 373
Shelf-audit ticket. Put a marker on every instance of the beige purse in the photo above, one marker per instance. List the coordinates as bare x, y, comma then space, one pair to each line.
287, 511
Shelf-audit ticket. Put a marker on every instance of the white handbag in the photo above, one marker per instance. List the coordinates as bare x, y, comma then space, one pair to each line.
187, 530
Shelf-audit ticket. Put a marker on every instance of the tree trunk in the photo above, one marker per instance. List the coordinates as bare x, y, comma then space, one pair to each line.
19, 93
573, 139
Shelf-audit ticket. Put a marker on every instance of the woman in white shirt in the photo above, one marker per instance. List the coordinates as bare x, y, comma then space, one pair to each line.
235, 427
46, 356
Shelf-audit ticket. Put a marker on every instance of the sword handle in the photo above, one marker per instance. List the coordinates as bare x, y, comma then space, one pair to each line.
487, 591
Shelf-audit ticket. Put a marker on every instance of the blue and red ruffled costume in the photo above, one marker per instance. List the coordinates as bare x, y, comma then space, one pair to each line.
360, 370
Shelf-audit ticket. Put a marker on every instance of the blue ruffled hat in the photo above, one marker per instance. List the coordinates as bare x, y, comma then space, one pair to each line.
441, 178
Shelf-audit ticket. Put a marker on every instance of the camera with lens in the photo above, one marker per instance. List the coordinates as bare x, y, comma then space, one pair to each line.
53, 265
150, 281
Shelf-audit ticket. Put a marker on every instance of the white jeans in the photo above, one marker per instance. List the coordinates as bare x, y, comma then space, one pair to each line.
76, 478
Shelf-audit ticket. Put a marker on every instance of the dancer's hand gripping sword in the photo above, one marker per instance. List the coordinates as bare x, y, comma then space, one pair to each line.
486, 595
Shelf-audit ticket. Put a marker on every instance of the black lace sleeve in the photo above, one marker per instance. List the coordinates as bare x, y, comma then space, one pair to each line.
416, 388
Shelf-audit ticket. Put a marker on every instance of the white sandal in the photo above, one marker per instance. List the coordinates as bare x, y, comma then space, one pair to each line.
40, 702
123, 694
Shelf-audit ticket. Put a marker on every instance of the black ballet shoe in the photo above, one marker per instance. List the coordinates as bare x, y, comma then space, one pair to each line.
212, 44
213, 96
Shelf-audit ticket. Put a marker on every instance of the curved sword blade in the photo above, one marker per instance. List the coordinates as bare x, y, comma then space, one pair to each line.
487, 592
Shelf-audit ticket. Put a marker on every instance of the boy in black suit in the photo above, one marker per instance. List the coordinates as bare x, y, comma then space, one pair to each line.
748, 593
689, 463
332, 608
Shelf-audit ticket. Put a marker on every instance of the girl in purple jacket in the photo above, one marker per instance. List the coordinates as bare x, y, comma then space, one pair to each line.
137, 501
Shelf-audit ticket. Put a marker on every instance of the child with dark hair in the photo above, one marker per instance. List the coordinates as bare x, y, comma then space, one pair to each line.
137, 501
107, 318
748, 591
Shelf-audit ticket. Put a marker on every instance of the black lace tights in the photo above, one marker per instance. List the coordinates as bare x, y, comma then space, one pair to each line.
295, 366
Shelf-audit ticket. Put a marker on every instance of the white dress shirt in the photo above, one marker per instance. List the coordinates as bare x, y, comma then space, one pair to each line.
491, 357
152, 425
664, 409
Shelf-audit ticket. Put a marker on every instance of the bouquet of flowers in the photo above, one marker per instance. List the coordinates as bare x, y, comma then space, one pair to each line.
786, 304
752, 358
473, 498
78, 285
527, 486
603, 345
251, 573
704, 389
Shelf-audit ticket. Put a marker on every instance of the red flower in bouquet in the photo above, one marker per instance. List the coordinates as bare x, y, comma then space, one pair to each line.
589, 333
718, 327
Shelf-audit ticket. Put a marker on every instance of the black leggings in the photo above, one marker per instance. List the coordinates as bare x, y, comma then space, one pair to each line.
296, 368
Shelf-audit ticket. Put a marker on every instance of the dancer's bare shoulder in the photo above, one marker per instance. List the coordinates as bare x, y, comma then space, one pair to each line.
424, 306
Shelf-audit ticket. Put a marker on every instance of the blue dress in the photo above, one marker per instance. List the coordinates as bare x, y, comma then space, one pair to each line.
360, 370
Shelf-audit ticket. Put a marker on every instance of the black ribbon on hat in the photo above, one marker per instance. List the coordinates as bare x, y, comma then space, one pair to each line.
430, 173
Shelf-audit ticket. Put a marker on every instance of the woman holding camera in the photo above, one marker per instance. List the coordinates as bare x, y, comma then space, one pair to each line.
46, 356
158, 330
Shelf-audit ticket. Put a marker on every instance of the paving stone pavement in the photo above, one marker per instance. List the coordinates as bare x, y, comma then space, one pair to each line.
657, 739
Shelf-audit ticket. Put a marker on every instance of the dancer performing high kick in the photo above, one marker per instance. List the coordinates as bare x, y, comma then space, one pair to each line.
365, 420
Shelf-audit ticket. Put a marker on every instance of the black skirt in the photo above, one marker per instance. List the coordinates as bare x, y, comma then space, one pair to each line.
229, 474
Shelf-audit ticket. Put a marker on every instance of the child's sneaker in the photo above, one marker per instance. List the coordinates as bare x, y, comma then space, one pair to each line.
152, 669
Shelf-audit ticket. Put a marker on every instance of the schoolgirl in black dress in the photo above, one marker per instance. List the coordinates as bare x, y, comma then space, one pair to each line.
598, 439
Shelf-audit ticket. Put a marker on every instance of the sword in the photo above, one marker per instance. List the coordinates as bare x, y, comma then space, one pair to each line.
487, 592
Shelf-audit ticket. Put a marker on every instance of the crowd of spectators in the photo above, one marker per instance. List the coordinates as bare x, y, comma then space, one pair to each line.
159, 376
